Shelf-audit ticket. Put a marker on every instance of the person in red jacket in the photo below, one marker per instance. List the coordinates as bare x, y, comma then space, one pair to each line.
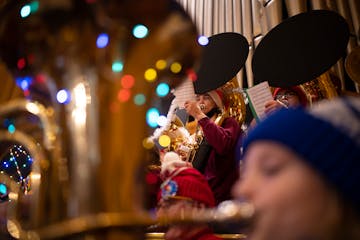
217, 162
184, 190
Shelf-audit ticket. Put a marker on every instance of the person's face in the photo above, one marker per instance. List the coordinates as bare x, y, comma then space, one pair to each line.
290, 98
206, 102
291, 201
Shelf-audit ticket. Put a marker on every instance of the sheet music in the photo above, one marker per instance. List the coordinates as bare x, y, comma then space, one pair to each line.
184, 92
258, 95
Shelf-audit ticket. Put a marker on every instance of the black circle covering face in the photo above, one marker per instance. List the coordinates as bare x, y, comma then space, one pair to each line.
222, 59
300, 48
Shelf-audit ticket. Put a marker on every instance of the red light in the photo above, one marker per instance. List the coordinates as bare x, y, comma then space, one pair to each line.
127, 81
124, 95
191, 74
21, 63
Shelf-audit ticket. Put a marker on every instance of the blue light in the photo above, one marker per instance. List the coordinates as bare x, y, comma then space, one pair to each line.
102, 40
162, 89
202, 40
11, 128
23, 82
152, 116
63, 96
3, 189
140, 31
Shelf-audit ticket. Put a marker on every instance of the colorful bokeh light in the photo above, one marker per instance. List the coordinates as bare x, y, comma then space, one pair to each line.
63, 96
164, 140
175, 67
202, 40
140, 31
147, 143
102, 40
117, 66
152, 116
160, 64
127, 81
162, 89
150, 75
139, 99
124, 95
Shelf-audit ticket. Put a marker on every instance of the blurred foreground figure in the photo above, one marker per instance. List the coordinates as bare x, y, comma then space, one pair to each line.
303, 175
183, 190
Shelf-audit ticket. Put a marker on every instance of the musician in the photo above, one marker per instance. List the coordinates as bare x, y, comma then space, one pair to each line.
301, 172
285, 98
289, 97
184, 190
217, 162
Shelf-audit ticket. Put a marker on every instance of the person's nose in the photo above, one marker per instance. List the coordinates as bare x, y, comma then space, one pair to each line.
200, 99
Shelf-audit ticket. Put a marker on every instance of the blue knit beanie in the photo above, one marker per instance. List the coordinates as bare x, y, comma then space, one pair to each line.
327, 137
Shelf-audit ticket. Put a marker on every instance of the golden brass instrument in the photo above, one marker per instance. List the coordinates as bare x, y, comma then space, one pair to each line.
87, 174
320, 88
352, 64
235, 98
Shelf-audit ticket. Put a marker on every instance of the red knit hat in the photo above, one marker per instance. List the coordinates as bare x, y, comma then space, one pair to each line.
187, 183
299, 92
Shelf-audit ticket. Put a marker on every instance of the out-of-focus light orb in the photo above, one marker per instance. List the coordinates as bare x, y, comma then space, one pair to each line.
63, 96
164, 140
150, 75
147, 143
127, 81
124, 95
11, 128
23, 82
202, 40
3, 189
140, 31
175, 67
162, 89
152, 116
191, 75
117, 66
25, 11
160, 64
114, 107
34, 6
21, 63
139, 99
102, 40
162, 121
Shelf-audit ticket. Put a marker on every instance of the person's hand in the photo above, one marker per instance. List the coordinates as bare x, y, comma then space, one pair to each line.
193, 108
272, 106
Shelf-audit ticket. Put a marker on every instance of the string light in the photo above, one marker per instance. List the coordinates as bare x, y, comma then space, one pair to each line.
17, 164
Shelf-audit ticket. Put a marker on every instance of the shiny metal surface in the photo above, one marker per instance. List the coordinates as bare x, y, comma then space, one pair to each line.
87, 155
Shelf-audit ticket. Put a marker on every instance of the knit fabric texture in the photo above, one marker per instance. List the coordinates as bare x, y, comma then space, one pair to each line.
187, 183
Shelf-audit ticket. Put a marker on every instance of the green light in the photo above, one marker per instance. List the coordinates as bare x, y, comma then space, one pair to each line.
117, 66
34, 6
139, 99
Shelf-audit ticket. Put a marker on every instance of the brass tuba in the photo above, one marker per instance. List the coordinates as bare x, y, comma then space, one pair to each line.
86, 178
